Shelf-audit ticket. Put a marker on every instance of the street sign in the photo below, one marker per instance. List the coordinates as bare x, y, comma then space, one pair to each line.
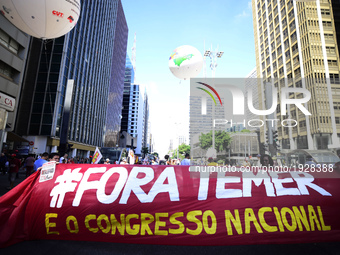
7, 102
31, 143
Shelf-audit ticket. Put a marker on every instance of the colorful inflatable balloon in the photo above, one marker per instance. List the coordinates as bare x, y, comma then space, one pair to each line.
185, 62
44, 19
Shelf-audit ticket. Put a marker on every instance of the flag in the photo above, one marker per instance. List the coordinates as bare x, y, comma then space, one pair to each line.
96, 157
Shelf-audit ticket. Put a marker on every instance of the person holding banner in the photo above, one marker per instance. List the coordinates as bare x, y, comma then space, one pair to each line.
54, 157
39, 162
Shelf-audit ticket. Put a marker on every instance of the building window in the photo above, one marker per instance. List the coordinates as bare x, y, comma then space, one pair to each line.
8, 42
6, 71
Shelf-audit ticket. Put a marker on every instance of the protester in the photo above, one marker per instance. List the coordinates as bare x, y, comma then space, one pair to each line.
63, 159
266, 160
186, 160
29, 163
14, 166
39, 162
123, 162
168, 160
107, 161
54, 157
3, 160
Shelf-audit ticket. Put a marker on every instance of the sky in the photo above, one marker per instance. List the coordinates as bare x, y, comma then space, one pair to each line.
161, 27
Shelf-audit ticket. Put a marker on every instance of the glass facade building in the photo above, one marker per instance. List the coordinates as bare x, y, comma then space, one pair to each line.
93, 55
128, 80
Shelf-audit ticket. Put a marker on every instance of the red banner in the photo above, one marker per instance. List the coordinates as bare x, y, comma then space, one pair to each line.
171, 206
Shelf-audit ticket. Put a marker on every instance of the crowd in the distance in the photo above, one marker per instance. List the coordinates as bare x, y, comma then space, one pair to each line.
11, 163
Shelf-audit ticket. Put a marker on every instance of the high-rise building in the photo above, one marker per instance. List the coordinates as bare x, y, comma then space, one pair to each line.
13, 53
297, 46
93, 55
251, 85
137, 115
135, 111
128, 80
113, 116
146, 130
203, 123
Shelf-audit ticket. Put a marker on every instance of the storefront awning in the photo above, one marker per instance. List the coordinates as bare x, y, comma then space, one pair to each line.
13, 137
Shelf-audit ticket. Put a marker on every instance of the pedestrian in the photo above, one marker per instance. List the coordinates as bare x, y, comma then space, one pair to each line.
186, 160
39, 162
14, 165
29, 163
3, 160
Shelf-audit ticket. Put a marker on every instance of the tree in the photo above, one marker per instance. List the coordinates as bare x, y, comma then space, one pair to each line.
222, 140
145, 150
182, 149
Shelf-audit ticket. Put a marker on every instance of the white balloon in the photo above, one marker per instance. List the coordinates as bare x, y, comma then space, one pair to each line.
185, 62
44, 19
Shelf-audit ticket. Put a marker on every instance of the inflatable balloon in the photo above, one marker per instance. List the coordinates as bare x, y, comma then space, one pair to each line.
185, 62
44, 19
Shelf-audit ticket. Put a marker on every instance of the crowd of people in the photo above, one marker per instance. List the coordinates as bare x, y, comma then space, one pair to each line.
11, 163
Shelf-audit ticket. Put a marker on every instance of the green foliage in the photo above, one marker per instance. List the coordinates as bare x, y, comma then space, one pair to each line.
145, 150
220, 162
245, 131
182, 149
222, 140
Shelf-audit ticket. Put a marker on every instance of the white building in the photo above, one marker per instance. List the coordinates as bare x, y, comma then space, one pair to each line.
138, 116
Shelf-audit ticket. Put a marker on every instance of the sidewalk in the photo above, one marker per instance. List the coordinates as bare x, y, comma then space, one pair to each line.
4, 182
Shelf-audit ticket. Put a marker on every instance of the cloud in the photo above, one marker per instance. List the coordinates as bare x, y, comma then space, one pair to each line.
243, 14
246, 12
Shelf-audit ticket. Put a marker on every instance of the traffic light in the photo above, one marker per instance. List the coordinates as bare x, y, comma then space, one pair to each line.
276, 142
267, 137
69, 147
275, 136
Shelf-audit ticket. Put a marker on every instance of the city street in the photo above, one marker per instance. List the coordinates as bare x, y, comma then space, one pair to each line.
40, 247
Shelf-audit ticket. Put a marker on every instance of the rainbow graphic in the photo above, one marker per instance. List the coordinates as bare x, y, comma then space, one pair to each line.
209, 93
173, 54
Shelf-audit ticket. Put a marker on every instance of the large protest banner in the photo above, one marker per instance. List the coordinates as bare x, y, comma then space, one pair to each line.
169, 205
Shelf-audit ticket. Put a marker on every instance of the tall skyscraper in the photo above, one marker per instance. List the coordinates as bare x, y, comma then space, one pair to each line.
251, 84
113, 116
13, 53
128, 80
146, 128
297, 46
137, 116
93, 55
